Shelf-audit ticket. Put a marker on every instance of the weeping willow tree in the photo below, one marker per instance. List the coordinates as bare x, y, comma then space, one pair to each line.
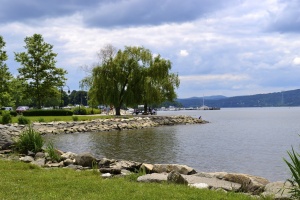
159, 84
130, 77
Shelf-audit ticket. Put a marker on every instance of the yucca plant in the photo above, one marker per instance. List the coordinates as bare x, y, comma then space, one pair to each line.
294, 166
29, 140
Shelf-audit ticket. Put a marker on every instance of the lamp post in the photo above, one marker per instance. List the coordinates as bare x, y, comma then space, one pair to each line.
61, 97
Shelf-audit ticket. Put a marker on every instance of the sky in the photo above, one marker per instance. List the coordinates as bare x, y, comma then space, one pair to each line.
217, 47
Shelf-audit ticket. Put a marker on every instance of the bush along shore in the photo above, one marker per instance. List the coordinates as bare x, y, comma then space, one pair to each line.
9, 132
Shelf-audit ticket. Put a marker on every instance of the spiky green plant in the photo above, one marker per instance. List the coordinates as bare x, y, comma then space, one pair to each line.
294, 166
29, 140
54, 156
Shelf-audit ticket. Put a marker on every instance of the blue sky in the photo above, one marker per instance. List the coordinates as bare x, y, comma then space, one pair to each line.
218, 47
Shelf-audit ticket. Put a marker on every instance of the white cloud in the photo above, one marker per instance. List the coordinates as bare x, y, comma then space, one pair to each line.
296, 61
214, 78
184, 53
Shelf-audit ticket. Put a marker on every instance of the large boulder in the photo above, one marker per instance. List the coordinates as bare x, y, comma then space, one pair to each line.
278, 190
155, 177
175, 177
182, 169
250, 184
128, 165
26, 159
68, 155
85, 159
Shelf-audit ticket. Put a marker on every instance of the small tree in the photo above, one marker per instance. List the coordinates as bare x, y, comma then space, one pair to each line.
39, 69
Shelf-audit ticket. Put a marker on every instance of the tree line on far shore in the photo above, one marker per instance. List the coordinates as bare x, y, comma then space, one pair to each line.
122, 78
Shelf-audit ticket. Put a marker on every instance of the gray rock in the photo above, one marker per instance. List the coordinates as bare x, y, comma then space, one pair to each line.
213, 182
155, 177
85, 159
68, 161
27, 159
39, 155
199, 185
148, 168
60, 164
124, 164
104, 162
39, 162
250, 184
68, 155
182, 169
6, 145
278, 190
175, 177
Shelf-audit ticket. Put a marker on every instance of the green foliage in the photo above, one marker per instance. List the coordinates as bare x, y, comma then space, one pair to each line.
294, 167
13, 113
23, 120
75, 118
58, 112
39, 69
80, 110
131, 77
54, 156
30, 140
5, 78
6, 117
41, 119
21, 181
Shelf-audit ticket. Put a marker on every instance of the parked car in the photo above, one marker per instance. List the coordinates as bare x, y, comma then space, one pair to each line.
7, 108
21, 109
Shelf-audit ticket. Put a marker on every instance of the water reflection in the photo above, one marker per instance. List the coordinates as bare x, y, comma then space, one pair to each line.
145, 145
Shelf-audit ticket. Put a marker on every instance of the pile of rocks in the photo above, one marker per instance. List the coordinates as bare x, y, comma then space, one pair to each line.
11, 131
174, 173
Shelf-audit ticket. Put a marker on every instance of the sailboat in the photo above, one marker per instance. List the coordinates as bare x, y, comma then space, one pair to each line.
204, 107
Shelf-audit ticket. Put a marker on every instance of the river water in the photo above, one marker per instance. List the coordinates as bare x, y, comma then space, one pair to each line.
242, 140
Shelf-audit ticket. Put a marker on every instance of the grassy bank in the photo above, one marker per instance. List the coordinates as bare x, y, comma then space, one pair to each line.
25, 181
64, 118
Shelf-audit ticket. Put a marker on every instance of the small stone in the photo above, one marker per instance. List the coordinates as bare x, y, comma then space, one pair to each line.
199, 185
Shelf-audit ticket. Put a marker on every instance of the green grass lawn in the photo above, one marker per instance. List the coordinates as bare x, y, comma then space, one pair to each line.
25, 181
65, 118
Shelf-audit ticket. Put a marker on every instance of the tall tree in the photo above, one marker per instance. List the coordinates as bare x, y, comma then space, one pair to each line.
5, 78
116, 81
159, 83
39, 69
133, 76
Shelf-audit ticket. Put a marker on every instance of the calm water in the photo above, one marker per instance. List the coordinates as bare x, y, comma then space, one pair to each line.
244, 140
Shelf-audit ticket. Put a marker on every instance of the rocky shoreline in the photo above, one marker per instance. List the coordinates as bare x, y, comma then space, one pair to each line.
172, 173
11, 131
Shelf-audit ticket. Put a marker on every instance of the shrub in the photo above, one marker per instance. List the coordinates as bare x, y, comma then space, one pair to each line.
30, 140
75, 118
294, 167
60, 112
6, 117
23, 120
80, 110
54, 156
41, 120
13, 113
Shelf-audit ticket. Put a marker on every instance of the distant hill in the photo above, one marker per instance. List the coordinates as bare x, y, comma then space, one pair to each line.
198, 101
285, 98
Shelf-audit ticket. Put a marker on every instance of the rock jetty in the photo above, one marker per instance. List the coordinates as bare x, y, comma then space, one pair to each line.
11, 131
172, 173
